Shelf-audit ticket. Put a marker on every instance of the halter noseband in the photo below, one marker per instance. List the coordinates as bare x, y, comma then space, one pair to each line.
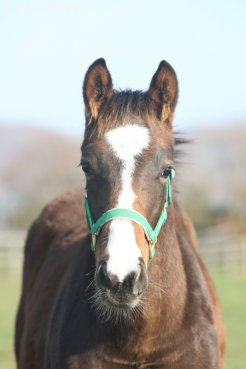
132, 215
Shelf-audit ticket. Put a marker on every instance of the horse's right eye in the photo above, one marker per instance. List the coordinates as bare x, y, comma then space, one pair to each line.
87, 169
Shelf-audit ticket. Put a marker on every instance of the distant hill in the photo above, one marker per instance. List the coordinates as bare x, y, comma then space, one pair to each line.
36, 165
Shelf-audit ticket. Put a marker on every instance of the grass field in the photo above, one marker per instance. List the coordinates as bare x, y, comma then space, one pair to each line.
231, 286
9, 295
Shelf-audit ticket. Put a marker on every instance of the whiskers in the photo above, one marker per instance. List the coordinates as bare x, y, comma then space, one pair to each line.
91, 279
158, 286
113, 314
98, 298
98, 302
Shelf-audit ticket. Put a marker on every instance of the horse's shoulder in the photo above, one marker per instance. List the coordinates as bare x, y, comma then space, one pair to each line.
62, 217
64, 210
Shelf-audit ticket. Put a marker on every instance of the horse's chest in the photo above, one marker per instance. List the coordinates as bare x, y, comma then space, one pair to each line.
145, 354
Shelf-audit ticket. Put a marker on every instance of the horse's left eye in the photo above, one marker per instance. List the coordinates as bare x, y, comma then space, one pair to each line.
86, 167
167, 171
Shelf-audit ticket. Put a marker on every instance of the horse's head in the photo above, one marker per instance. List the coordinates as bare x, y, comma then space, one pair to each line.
127, 156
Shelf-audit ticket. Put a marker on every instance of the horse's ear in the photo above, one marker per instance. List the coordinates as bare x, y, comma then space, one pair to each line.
163, 91
97, 88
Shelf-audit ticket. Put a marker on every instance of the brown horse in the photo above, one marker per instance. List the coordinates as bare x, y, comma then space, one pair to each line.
109, 306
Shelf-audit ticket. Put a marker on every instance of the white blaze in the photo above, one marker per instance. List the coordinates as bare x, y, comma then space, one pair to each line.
127, 143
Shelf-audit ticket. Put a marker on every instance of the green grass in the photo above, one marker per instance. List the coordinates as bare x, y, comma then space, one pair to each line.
231, 286
9, 295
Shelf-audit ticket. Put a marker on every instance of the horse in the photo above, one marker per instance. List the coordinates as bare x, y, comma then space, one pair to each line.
119, 282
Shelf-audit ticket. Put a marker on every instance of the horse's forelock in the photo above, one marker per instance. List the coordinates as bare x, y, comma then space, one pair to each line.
122, 108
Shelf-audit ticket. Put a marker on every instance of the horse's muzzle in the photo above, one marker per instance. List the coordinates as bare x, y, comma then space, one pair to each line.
121, 294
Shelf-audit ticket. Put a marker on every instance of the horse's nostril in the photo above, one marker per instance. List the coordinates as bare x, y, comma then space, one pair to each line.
103, 279
132, 285
141, 280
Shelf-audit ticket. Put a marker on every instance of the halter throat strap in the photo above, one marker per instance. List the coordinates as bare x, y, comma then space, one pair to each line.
132, 215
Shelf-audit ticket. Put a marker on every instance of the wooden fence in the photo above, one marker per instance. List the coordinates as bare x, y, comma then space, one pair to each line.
217, 248
221, 248
11, 249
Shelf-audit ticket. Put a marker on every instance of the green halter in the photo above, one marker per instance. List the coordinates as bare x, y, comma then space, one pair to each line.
132, 215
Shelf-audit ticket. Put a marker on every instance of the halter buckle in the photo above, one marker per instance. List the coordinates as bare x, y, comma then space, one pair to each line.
151, 250
93, 242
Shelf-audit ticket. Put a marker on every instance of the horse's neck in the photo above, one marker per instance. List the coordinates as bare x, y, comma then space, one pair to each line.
166, 294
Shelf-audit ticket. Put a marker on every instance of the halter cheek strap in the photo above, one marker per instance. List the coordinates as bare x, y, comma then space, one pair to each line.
132, 215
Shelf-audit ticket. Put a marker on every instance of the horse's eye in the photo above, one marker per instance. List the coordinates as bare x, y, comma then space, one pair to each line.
86, 167
167, 171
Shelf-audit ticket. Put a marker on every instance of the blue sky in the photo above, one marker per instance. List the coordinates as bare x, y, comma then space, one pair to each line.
44, 57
